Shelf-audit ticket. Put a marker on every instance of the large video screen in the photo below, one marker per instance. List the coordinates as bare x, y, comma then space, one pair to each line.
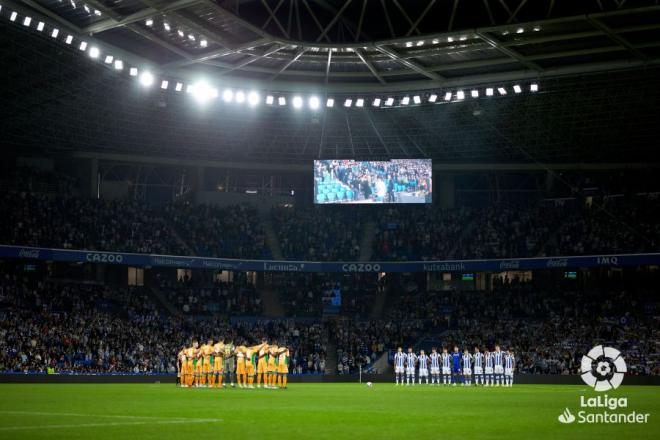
392, 181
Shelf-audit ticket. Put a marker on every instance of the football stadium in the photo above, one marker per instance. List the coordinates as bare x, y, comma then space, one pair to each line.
330, 219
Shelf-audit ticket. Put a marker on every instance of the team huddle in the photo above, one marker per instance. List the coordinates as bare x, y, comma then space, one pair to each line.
487, 368
214, 365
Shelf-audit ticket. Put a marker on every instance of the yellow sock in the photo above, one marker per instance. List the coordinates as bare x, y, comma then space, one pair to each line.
285, 380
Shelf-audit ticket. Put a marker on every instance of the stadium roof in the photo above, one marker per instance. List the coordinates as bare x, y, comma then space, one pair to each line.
365, 45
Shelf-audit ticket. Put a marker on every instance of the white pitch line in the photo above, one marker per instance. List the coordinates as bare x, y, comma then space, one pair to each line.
170, 419
97, 425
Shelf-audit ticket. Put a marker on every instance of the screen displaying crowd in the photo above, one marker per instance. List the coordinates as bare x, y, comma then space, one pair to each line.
393, 181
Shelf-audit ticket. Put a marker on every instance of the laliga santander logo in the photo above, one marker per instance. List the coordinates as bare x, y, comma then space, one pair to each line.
603, 368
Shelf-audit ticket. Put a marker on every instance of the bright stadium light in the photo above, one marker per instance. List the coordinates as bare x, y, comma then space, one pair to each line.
83, 45
405, 100
108, 59
27, 21
433, 97
501, 90
178, 87
203, 92
149, 22
489, 91
376, 102
417, 99
330, 102
389, 102
146, 79
517, 88
203, 43
281, 100
133, 71
420, 43
240, 97
164, 84
13, 16
253, 98
166, 26
180, 33
448, 96
359, 102
55, 33
40, 26
69, 39
348, 102
119, 65
450, 39
314, 102
474, 93
86, 8
534, 88
520, 30
270, 99
191, 37
228, 95
460, 94
297, 102
94, 52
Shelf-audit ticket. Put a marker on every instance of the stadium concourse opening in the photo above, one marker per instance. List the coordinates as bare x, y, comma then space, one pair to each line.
329, 219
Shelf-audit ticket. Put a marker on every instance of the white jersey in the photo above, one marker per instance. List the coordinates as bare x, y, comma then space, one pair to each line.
509, 363
446, 360
435, 360
411, 358
467, 364
478, 360
399, 360
498, 358
423, 361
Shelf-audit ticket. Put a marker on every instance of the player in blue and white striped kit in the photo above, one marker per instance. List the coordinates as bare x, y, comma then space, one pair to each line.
488, 369
399, 365
466, 368
411, 359
423, 361
478, 372
446, 367
435, 366
498, 358
509, 367
456, 365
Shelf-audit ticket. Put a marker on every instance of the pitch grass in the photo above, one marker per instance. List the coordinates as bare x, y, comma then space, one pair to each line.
310, 411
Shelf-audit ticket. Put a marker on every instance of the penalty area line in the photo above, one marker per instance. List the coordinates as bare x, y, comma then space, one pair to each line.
98, 425
117, 416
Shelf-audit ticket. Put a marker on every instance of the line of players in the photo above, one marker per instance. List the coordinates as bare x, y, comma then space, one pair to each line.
488, 368
214, 365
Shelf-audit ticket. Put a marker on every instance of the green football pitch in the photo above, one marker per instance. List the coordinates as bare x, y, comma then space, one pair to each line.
312, 411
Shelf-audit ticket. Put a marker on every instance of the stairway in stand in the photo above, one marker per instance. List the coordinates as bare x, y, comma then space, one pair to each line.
271, 239
366, 244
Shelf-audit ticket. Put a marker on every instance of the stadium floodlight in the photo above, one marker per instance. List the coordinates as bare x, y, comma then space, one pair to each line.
55, 33
83, 45
389, 102
501, 90
534, 87
517, 88
463, 38
239, 97
417, 99
433, 97
108, 59
73, 4
87, 9
94, 52
420, 43
97, 12
191, 37
520, 30
405, 100
330, 102
164, 84
435, 41
489, 91
376, 102
536, 28
281, 100
149, 22
180, 32
202, 91
27, 21
203, 43
178, 87
69, 39
190, 88
450, 39
13, 16
460, 94
348, 102
146, 79
297, 102
409, 44
314, 102
270, 99
253, 98
133, 71
359, 102
474, 93
228, 95
119, 65
40, 26
166, 26
448, 96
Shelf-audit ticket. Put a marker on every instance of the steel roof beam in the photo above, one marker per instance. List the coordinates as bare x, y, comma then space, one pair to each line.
509, 52
408, 63
617, 38
369, 65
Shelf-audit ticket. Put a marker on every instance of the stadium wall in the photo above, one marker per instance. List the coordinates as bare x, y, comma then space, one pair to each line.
540, 379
